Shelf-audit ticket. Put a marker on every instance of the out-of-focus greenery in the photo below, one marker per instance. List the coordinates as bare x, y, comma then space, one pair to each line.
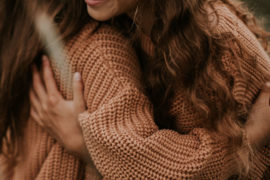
261, 9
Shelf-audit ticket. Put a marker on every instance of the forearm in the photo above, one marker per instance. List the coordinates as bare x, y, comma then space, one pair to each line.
122, 138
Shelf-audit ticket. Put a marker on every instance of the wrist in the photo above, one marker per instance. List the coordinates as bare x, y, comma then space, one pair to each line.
256, 136
75, 145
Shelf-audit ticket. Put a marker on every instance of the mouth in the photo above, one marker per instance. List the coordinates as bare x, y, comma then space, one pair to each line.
94, 2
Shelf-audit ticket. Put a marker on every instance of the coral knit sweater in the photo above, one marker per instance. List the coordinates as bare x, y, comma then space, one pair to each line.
118, 127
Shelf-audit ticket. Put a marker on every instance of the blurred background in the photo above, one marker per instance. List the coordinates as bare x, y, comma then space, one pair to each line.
261, 9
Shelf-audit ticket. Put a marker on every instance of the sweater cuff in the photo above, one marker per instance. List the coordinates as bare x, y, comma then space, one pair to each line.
264, 154
234, 162
261, 162
231, 166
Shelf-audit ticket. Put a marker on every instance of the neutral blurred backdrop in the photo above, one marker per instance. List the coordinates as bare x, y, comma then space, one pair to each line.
261, 9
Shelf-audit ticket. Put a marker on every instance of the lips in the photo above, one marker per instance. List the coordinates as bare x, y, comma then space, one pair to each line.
94, 2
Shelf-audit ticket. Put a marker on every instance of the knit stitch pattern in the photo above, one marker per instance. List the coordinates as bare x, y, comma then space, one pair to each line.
118, 126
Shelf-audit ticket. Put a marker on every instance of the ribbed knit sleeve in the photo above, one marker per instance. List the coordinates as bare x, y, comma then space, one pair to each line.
261, 164
246, 94
125, 143
120, 133
119, 130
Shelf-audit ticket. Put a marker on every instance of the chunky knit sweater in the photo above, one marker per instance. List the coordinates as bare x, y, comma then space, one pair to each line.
118, 127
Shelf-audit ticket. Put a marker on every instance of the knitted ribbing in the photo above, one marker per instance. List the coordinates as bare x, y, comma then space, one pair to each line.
125, 143
41, 157
118, 126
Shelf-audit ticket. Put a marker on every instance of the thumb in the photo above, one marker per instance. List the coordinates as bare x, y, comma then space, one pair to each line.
78, 99
264, 95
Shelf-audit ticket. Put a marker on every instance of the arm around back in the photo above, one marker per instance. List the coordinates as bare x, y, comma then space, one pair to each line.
119, 130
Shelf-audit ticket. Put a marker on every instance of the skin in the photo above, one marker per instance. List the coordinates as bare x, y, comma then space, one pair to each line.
258, 126
62, 123
56, 115
112, 8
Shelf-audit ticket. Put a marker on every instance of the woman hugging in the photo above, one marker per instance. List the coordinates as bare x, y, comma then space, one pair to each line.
161, 90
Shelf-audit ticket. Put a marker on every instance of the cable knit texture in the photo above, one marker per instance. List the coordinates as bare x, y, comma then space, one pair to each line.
118, 127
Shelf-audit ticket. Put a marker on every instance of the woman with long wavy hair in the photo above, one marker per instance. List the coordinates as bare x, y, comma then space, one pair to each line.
27, 151
202, 66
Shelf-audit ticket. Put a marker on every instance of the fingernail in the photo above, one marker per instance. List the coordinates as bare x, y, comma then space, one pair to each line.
44, 58
268, 84
77, 76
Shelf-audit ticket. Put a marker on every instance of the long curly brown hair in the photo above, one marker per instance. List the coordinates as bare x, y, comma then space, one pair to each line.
20, 47
174, 61
181, 28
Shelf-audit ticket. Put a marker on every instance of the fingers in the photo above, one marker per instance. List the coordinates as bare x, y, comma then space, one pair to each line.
79, 103
35, 107
35, 116
49, 78
266, 87
38, 85
264, 95
34, 101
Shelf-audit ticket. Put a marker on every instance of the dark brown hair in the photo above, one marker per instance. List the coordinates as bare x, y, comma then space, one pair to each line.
20, 47
174, 62
180, 28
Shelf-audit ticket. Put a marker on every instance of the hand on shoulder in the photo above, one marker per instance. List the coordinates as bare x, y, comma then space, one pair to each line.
57, 116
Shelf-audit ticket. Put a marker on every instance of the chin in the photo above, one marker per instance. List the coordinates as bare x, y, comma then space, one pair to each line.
98, 15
